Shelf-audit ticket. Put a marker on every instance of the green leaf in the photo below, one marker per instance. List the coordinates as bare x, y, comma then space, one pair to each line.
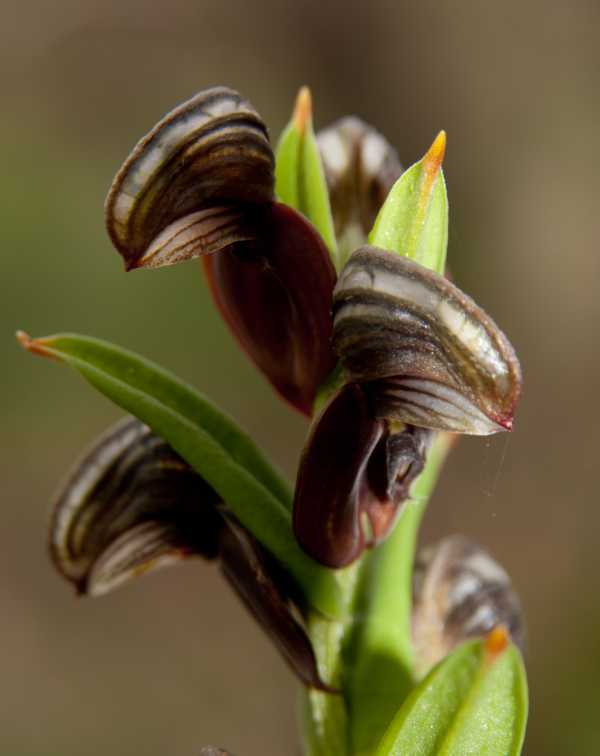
413, 220
381, 674
299, 177
209, 440
473, 702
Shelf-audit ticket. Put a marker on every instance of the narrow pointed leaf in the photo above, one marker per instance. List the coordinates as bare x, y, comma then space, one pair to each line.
474, 702
287, 165
102, 359
299, 176
413, 221
209, 441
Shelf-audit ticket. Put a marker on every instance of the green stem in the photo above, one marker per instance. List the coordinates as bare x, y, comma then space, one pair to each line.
382, 670
325, 716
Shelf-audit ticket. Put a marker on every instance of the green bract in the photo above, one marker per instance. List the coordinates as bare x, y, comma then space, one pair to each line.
299, 177
414, 219
474, 702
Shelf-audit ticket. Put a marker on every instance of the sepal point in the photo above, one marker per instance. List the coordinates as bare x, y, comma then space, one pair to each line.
434, 157
302, 109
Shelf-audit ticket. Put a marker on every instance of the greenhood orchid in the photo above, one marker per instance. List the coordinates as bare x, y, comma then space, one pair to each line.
416, 353
326, 260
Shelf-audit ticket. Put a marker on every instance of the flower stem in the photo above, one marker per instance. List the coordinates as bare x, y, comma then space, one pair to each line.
370, 653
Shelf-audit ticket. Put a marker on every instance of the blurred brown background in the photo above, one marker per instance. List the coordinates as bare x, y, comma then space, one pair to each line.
172, 662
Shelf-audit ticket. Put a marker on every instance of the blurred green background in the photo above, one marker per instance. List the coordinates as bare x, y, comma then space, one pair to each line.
172, 662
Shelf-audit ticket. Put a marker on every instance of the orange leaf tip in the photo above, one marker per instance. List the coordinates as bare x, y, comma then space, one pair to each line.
23, 338
34, 346
302, 109
434, 157
496, 642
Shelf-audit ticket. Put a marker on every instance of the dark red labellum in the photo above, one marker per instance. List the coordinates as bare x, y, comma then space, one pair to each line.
275, 294
331, 478
354, 475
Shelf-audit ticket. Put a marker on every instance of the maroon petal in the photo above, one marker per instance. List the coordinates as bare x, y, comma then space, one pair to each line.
264, 589
275, 295
332, 477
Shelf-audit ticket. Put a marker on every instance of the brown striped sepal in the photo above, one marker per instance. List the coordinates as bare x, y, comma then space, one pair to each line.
129, 506
354, 474
360, 167
460, 592
132, 505
425, 352
195, 184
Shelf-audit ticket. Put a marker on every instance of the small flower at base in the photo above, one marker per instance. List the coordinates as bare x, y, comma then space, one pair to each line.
133, 505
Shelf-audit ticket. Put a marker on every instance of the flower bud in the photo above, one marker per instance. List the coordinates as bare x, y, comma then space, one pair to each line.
360, 167
133, 505
460, 592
